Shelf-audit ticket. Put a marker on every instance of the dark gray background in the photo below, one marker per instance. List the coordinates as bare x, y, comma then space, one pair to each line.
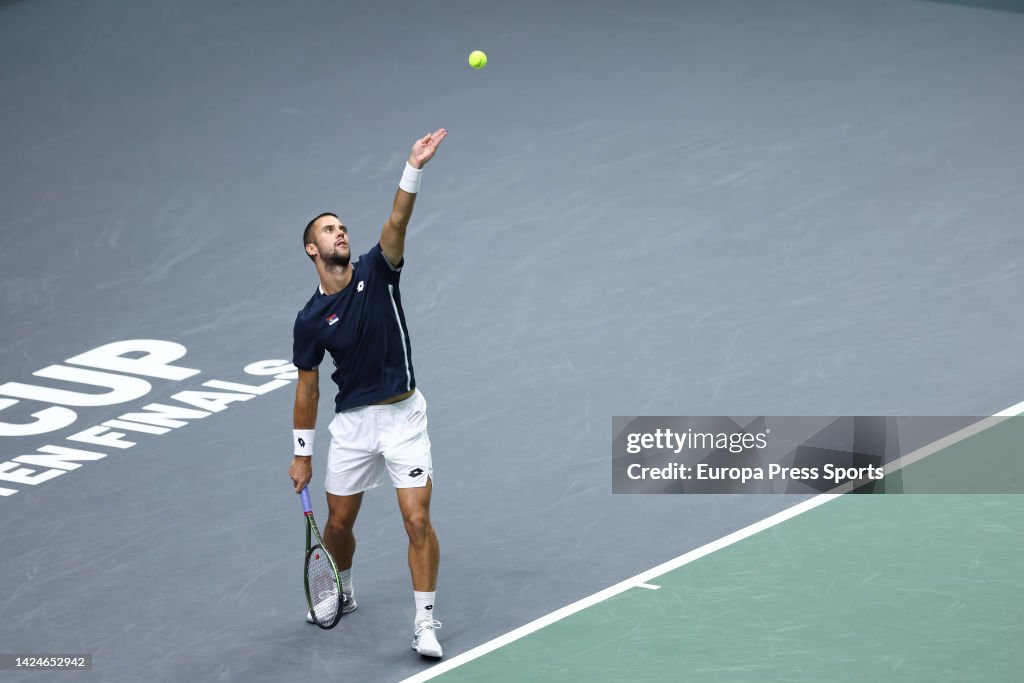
662, 208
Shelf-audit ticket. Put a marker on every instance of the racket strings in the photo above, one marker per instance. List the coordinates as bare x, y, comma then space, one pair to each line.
323, 589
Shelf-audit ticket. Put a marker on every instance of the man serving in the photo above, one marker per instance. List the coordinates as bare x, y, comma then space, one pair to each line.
380, 423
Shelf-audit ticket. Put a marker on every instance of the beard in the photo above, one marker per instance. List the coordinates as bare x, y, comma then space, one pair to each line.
337, 260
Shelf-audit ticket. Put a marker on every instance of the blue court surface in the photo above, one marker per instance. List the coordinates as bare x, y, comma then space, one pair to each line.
793, 207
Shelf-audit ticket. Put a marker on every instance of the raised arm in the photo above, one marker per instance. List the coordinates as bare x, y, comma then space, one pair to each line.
392, 236
307, 396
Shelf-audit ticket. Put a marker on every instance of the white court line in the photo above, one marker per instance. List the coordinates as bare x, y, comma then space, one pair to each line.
703, 551
648, 586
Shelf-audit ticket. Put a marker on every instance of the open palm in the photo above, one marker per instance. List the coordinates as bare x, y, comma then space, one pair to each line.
424, 148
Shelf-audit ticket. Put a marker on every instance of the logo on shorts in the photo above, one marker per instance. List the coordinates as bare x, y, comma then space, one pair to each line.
415, 473
359, 287
332, 318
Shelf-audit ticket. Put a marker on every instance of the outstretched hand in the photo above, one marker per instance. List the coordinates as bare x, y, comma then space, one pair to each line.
424, 148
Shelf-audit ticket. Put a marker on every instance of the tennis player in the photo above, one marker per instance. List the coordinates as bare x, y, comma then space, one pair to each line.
379, 429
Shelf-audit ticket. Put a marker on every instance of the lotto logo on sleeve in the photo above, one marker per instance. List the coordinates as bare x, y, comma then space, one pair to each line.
332, 318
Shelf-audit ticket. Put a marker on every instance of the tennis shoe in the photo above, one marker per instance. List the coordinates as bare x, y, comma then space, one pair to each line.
424, 640
348, 604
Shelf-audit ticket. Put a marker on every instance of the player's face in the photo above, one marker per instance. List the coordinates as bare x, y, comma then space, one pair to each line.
332, 241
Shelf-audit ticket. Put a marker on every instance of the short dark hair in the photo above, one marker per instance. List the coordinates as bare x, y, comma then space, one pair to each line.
307, 234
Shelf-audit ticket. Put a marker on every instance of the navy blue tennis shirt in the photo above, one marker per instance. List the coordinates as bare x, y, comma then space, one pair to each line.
363, 327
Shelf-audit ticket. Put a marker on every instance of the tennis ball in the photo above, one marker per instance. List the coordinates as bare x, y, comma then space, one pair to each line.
477, 59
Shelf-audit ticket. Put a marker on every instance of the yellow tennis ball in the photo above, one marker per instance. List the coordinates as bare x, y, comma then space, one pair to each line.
477, 59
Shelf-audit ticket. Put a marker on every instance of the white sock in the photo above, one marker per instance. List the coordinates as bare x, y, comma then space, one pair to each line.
424, 606
346, 581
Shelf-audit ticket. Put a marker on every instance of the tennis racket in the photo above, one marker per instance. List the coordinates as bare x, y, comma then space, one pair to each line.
323, 585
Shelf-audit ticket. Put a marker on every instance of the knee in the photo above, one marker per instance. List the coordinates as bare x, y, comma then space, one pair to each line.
417, 525
340, 524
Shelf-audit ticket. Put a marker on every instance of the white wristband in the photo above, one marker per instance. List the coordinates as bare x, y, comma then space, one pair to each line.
410, 179
303, 439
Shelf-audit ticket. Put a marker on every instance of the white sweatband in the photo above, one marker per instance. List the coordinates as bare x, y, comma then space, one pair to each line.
410, 179
303, 439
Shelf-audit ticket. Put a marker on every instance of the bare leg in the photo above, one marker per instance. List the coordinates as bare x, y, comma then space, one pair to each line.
424, 551
338, 535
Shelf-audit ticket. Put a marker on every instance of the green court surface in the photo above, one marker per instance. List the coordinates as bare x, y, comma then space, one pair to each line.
862, 588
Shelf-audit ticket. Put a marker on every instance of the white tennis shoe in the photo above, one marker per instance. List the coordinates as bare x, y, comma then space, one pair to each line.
424, 640
348, 604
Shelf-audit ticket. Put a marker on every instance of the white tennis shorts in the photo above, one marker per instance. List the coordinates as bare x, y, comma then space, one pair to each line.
370, 442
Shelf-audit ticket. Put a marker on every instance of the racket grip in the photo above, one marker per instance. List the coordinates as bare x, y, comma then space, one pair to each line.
307, 506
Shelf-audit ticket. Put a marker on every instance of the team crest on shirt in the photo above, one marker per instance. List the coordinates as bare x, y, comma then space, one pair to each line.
332, 318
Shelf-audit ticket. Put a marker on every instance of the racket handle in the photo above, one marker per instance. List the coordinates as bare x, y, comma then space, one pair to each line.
307, 506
